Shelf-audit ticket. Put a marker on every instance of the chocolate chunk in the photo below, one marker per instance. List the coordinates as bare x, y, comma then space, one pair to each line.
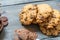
32, 17
40, 14
25, 19
23, 12
31, 9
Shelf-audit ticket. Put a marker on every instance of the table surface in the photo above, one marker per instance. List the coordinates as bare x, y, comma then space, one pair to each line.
12, 13
9, 2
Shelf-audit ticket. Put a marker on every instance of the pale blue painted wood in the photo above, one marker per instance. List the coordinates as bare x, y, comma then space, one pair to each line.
9, 2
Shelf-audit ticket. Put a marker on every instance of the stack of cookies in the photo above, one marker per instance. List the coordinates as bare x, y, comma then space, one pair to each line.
44, 15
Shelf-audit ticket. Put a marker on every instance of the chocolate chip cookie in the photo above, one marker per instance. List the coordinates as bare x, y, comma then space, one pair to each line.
53, 26
28, 14
55, 20
44, 11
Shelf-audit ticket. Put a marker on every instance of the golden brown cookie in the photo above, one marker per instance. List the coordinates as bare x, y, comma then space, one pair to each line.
55, 20
49, 32
52, 27
28, 14
43, 30
44, 11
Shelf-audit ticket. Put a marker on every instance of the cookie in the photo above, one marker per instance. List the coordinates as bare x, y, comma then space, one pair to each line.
55, 20
58, 28
44, 11
52, 27
3, 22
28, 14
43, 29
49, 32
25, 34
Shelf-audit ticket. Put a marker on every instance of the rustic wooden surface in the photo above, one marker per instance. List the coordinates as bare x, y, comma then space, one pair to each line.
9, 2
